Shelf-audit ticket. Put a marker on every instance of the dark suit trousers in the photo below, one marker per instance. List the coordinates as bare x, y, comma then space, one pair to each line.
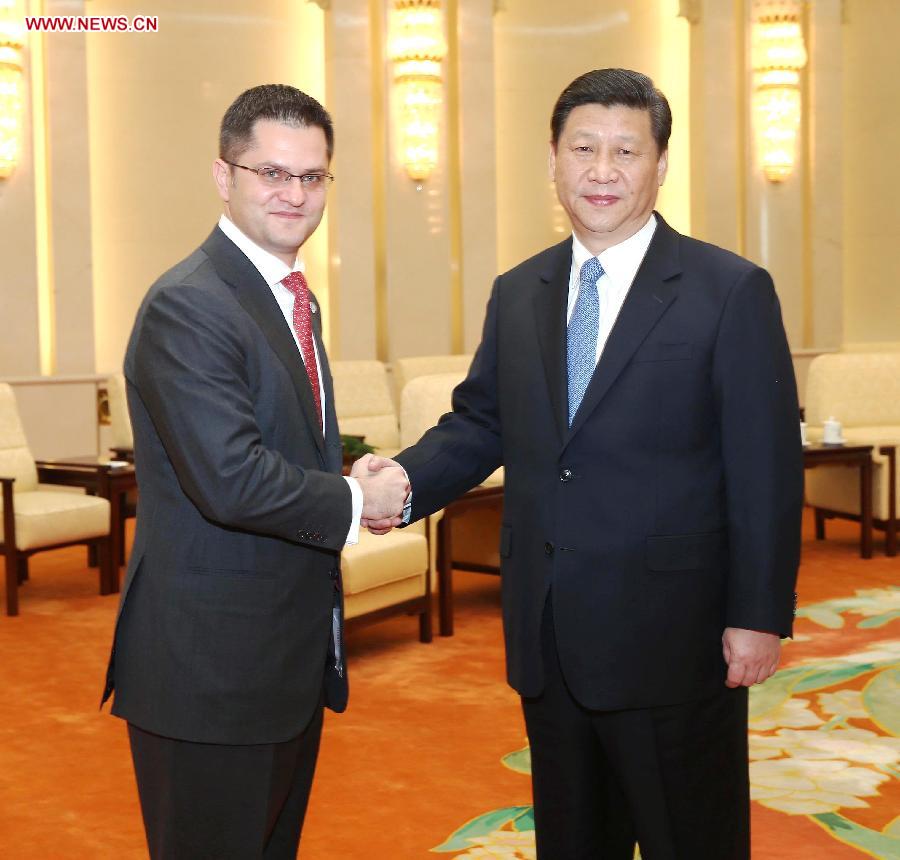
219, 802
672, 778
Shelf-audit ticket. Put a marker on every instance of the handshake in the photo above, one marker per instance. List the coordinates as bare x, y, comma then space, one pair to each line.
385, 491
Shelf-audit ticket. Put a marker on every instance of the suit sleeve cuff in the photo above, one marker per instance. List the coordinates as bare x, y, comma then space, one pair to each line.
407, 505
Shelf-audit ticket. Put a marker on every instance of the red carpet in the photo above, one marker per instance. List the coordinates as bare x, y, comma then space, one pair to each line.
419, 752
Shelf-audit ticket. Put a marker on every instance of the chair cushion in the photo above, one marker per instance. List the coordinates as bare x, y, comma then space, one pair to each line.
379, 559
48, 517
495, 479
379, 431
384, 596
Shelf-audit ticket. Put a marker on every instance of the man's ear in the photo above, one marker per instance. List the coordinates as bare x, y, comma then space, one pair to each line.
662, 166
222, 178
551, 162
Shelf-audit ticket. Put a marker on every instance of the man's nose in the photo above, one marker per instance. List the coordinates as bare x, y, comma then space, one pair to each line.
293, 192
602, 169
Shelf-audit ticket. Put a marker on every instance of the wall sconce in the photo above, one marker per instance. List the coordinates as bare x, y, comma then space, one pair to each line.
416, 49
11, 86
778, 56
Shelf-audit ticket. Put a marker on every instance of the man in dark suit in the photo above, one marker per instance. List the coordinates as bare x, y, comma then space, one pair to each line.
228, 640
637, 387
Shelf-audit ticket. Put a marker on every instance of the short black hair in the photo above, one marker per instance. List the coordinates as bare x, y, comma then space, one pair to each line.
609, 87
277, 102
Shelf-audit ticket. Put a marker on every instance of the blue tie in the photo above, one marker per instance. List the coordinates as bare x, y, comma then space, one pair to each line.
581, 339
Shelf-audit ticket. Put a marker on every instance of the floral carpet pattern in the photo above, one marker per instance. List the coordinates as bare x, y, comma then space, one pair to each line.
824, 736
419, 750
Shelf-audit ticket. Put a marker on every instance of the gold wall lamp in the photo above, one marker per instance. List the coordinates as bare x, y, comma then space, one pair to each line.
11, 86
778, 56
417, 48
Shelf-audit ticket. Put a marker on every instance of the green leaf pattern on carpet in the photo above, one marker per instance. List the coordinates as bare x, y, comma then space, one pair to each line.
518, 761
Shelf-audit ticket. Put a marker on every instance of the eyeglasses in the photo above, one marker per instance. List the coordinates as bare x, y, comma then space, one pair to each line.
275, 176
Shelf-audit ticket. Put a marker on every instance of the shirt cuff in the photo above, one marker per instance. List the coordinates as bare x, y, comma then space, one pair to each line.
356, 494
407, 505
407, 509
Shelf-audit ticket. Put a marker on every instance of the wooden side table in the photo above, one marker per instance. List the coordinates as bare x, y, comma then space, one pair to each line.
102, 477
476, 498
860, 456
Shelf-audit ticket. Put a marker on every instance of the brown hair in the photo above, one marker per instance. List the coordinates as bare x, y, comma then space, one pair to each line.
277, 102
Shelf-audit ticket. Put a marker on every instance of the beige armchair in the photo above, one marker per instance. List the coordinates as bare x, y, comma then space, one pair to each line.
121, 439
862, 391
388, 575
465, 534
408, 369
35, 518
121, 446
382, 575
363, 404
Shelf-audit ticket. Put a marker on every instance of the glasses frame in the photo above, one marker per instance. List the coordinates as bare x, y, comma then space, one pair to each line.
288, 176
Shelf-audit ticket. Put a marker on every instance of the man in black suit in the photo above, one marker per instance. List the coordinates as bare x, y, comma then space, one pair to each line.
228, 640
637, 387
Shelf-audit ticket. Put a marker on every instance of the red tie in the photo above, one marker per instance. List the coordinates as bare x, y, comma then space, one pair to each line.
296, 283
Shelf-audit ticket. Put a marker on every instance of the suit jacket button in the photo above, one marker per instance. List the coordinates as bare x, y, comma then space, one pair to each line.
333, 574
566, 475
548, 548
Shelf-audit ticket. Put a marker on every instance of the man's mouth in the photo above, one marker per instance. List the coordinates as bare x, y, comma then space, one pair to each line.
601, 199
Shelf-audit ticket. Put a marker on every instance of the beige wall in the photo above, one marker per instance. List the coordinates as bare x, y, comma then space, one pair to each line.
871, 181
19, 344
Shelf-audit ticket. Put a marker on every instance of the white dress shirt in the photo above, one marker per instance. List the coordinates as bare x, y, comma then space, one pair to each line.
273, 272
620, 265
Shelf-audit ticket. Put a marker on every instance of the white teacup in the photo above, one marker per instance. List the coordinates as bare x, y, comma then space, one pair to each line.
832, 432
803, 439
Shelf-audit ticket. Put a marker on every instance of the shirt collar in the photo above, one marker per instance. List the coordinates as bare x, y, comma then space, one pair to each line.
269, 266
621, 261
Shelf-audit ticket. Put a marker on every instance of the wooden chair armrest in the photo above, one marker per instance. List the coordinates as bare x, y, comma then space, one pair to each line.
64, 470
9, 515
93, 477
890, 451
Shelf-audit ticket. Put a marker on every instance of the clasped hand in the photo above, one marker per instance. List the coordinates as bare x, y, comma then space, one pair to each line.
385, 490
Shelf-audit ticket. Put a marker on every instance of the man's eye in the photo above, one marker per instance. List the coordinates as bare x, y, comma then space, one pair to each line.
625, 152
311, 179
582, 149
272, 174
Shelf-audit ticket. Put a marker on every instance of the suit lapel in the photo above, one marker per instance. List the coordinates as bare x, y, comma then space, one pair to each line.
255, 297
647, 300
550, 318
